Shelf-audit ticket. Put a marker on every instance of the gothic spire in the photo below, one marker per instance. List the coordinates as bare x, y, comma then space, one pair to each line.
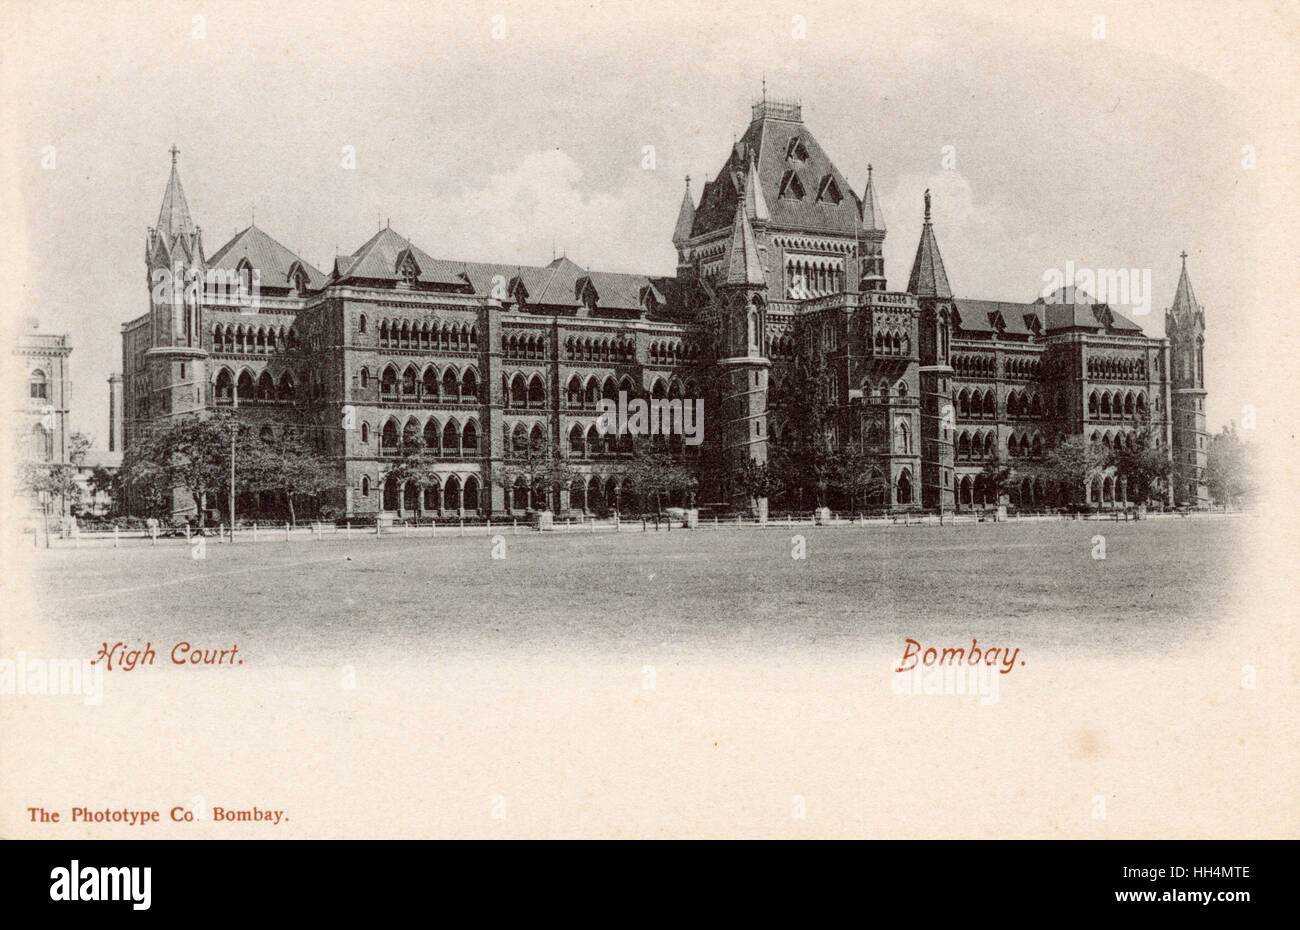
685, 216
174, 217
929, 279
872, 218
755, 204
1184, 298
743, 264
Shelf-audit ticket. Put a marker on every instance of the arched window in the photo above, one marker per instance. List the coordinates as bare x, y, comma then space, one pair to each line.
469, 388
225, 387
469, 439
365, 432
365, 485
904, 438
361, 324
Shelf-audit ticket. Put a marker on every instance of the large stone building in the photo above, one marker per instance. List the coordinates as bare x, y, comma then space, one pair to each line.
44, 397
780, 258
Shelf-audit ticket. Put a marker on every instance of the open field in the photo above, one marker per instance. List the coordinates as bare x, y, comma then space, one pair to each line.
1164, 584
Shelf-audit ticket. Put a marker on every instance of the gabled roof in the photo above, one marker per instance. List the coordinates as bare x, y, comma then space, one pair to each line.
743, 264
273, 261
377, 260
767, 144
929, 279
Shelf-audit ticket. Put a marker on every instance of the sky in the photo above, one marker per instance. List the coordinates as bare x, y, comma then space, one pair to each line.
507, 132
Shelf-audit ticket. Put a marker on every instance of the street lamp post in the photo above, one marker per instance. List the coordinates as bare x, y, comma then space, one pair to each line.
234, 426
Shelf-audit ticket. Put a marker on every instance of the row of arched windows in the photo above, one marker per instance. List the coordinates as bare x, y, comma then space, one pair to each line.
261, 340
263, 388
1105, 405
809, 278
1116, 441
622, 349
893, 344
1117, 369
670, 353
451, 494
1022, 367
975, 366
523, 347
450, 439
412, 385
579, 395
977, 405
1024, 404
445, 337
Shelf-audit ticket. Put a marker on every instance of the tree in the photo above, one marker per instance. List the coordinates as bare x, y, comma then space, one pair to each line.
1073, 462
55, 481
104, 481
1230, 470
807, 463
539, 464
1142, 467
413, 463
756, 481
657, 473
192, 453
855, 475
78, 445
287, 465
997, 475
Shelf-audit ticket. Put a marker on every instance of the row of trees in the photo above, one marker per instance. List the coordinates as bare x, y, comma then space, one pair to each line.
194, 454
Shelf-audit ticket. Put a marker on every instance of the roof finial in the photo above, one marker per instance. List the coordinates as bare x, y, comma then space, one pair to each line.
175, 151
1183, 256
252, 214
927, 205
765, 87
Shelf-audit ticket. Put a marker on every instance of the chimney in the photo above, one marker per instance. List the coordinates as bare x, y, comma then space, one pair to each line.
115, 413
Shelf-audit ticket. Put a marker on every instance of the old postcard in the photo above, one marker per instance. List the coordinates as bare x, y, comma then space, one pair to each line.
522, 420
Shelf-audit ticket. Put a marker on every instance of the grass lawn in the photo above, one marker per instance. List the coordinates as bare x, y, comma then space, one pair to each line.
1163, 584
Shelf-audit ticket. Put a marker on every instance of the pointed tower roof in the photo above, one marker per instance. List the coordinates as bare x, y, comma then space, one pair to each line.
743, 263
872, 218
685, 216
1184, 298
755, 203
174, 217
928, 276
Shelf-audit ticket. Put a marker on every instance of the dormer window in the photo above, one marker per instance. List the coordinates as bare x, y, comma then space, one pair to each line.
1032, 322
407, 270
791, 187
829, 192
996, 321
796, 151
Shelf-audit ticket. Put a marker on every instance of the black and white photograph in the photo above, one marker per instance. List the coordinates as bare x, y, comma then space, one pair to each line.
650, 421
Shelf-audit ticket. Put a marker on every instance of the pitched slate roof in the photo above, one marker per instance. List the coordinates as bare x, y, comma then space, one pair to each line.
377, 260
766, 143
979, 316
272, 260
